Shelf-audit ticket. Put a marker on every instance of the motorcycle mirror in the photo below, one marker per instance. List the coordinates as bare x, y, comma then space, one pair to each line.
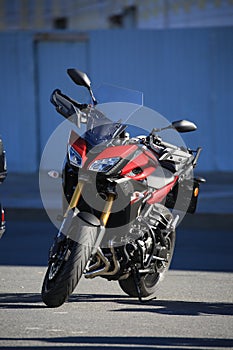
183, 126
180, 126
79, 77
82, 79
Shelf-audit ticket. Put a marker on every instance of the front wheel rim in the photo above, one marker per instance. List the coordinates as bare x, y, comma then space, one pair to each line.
54, 268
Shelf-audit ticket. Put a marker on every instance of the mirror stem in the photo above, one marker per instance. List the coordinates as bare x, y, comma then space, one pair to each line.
93, 97
165, 128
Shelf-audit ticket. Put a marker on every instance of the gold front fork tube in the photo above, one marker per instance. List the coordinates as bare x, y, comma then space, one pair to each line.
107, 209
75, 197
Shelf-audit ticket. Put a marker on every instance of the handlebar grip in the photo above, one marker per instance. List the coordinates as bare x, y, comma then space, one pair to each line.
159, 142
168, 145
63, 106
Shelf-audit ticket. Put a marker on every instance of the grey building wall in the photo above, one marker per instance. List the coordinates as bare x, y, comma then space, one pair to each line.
85, 15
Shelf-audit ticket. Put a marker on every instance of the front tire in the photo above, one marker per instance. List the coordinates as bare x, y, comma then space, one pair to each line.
66, 268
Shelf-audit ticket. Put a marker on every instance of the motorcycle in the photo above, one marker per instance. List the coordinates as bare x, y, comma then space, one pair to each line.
123, 195
3, 174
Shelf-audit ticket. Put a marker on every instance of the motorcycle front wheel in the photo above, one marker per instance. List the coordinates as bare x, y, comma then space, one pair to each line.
68, 262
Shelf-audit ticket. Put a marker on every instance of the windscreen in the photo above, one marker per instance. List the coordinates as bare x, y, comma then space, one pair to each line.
108, 118
100, 128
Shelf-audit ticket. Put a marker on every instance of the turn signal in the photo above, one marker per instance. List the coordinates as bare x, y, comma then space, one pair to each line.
196, 191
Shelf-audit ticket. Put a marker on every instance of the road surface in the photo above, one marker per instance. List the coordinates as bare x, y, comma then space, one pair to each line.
193, 309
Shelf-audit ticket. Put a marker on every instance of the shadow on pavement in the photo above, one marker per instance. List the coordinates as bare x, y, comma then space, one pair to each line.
21, 301
126, 343
165, 307
182, 308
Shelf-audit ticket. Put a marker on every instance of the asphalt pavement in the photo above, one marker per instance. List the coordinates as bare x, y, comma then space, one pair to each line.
193, 308
190, 312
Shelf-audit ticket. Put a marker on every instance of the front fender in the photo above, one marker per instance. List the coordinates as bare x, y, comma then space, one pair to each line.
89, 218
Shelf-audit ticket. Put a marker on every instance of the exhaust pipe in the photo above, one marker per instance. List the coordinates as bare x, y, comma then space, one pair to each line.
104, 271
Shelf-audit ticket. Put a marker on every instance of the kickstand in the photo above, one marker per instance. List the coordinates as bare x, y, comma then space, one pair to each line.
137, 281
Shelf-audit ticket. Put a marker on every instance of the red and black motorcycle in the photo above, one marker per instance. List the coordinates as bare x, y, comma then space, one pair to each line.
124, 192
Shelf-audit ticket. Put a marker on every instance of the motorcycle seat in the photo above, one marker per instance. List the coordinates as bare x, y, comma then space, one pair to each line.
160, 178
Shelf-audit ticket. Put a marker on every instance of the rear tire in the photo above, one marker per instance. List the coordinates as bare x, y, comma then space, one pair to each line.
64, 273
149, 282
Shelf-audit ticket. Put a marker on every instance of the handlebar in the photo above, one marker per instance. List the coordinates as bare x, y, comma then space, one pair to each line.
68, 108
65, 105
156, 140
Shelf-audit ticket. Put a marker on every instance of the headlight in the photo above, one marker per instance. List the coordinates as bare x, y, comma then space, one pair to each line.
104, 165
74, 157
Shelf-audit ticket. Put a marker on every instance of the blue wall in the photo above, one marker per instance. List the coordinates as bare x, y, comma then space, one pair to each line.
18, 101
184, 73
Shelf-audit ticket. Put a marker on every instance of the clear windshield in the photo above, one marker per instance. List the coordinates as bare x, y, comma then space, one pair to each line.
124, 107
108, 119
100, 128
107, 93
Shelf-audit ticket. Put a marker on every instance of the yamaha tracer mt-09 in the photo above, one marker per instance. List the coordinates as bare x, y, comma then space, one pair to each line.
124, 189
